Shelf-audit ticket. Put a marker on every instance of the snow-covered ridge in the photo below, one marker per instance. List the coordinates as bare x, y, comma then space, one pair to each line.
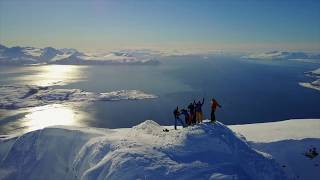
284, 55
205, 151
315, 74
30, 55
20, 96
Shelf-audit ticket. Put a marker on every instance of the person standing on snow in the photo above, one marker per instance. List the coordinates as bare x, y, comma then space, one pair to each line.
214, 105
176, 114
192, 112
199, 114
186, 117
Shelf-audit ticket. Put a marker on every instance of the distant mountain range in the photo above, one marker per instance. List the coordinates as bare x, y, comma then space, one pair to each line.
30, 55
284, 55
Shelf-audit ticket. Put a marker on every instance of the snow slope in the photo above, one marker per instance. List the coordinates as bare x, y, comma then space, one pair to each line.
282, 130
20, 96
205, 151
286, 142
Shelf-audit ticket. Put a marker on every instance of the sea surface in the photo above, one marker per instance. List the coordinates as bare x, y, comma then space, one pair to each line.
249, 91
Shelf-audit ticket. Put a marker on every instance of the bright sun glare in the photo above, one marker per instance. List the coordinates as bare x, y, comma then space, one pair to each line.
50, 115
54, 75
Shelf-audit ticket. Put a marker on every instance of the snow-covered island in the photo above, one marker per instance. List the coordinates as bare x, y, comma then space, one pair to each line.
284, 55
297, 56
21, 96
145, 151
315, 74
30, 55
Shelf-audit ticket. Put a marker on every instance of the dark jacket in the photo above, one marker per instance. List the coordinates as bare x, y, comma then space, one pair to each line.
191, 108
176, 113
199, 106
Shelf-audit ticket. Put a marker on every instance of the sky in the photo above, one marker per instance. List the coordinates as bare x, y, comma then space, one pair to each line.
186, 25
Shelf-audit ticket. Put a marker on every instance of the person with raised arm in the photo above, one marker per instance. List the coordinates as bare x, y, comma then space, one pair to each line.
198, 108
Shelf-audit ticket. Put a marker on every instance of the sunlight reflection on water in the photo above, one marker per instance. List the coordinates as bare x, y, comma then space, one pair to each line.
50, 115
54, 75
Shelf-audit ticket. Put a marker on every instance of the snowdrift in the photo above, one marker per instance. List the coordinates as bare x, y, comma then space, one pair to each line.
205, 151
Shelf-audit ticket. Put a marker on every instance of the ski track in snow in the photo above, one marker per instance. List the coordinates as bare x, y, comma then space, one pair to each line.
204, 151
21, 96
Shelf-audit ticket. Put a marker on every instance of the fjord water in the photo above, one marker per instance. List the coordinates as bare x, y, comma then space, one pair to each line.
249, 92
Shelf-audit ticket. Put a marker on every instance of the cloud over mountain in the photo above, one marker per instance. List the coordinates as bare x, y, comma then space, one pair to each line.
30, 55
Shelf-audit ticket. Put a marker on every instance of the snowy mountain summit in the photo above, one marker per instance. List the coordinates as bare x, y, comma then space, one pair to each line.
145, 151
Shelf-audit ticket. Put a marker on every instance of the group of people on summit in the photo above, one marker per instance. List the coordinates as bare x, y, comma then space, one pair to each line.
193, 114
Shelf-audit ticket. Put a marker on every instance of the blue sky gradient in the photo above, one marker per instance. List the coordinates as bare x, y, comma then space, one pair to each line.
199, 25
